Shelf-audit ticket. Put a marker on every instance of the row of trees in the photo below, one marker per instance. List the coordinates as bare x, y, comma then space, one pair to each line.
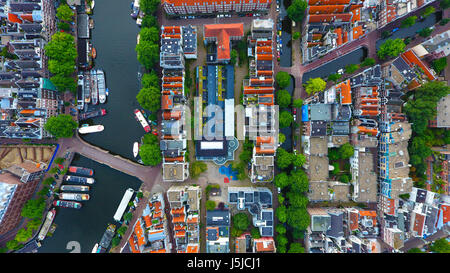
420, 111
61, 126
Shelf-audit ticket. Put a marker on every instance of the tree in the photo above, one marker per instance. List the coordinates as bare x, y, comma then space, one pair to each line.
346, 151
150, 34
281, 240
334, 77
149, 21
210, 205
236, 232
336, 170
127, 216
298, 234
298, 218
299, 181
284, 158
280, 229
147, 54
23, 235
428, 11
281, 138
233, 56
408, 22
298, 103
351, 68
391, 48
61, 126
298, 160
281, 249
61, 68
281, 180
61, 47
314, 85
64, 83
254, 232
281, 213
285, 119
297, 199
296, 11
444, 4
296, 35
59, 160
296, 248
284, 98
196, 168
115, 241
283, 79
415, 250
245, 156
63, 26
48, 181
241, 221
148, 6
44, 191
385, 34
150, 154
150, 98
425, 32
368, 62
14, 245
440, 64
64, 13
121, 231
150, 139
440, 246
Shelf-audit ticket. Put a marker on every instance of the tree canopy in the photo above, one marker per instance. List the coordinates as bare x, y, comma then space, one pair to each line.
297, 199
196, 168
147, 54
210, 205
346, 151
299, 181
284, 158
296, 11
296, 248
150, 34
23, 235
283, 79
64, 13
298, 218
281, 180
284, 98
148, 6
391, 48
285, 119
241, 221
408, 22
150, 98
440, 64
150, 154
61, 126
298, 103
33, 208
281, 213
440, 246
149, 21
314, 85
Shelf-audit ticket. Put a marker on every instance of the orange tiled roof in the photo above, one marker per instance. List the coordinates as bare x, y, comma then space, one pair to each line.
179, 219
13, 18
260, 150
132, 244
148, 221
166, 102
411, 58
327, 18
354, 221
369, 213
345, 39
189, 3
346, 93
162, 250
192, 249
324, 9
180, 233
357, 32
177, 210
264, 245
193, 220
445, 213
171, 115
271, 96
338, 32
356, 14
139, 233
223, 32
328, 2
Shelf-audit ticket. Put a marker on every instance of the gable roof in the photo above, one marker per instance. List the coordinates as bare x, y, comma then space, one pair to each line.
223, 32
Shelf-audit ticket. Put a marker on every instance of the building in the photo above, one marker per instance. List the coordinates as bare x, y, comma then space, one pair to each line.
221, 35
184, 204
177, 7
217, 231
214, 110
391, 10
17, 185
258, 201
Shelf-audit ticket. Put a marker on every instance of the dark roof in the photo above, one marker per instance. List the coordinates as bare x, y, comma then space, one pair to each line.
337, 228
318, 128
218, 218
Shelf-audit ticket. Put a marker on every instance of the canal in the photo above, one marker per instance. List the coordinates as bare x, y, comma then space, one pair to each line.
286, 26
87, 225
114, 38
355, 57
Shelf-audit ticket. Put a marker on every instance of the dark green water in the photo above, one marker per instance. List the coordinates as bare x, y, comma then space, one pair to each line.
114, 38
87, 225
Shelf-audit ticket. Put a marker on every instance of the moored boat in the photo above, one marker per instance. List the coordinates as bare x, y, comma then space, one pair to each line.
94, 88
74, 188
141, 119
67, 204
101, 86
79, 179
92, 114
74, 196
91, 129
94, 249
135, 149
81, 170
94, 53
46, 226
107, 236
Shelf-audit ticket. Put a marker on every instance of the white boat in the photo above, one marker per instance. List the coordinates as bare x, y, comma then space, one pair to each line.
101, 86
135, 149
91, 129
94, 249
74, 196
92, 4
46, 226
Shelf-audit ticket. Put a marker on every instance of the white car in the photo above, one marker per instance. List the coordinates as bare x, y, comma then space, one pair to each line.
279, 190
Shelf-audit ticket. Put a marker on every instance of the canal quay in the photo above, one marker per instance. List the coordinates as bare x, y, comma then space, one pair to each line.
114, 37
85, 226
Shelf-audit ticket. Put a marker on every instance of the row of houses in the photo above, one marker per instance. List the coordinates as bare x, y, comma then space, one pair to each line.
150, 233
177, 43
261, 115
182, 7
391, 10
184, 204
27, 97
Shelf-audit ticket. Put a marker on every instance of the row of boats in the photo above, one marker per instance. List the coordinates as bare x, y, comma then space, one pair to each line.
71, 196
94, 87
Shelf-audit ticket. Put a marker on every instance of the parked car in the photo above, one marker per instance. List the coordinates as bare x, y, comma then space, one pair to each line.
279, 190
294, 111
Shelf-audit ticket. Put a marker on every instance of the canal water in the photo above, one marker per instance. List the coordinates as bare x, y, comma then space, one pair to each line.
355, 57
114, 38
85, 226
286, 26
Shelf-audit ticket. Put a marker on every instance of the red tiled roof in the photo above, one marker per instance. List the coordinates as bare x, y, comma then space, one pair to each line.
354, 220
369, 213
223, 32
345, 91
178, 3
324, 9
357, 32
132, 244
338, 32
13, 18
265, 244
139, 233
356, 14
327, 18
411, 58
445, 213
192, 249
419, 222
328, 2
